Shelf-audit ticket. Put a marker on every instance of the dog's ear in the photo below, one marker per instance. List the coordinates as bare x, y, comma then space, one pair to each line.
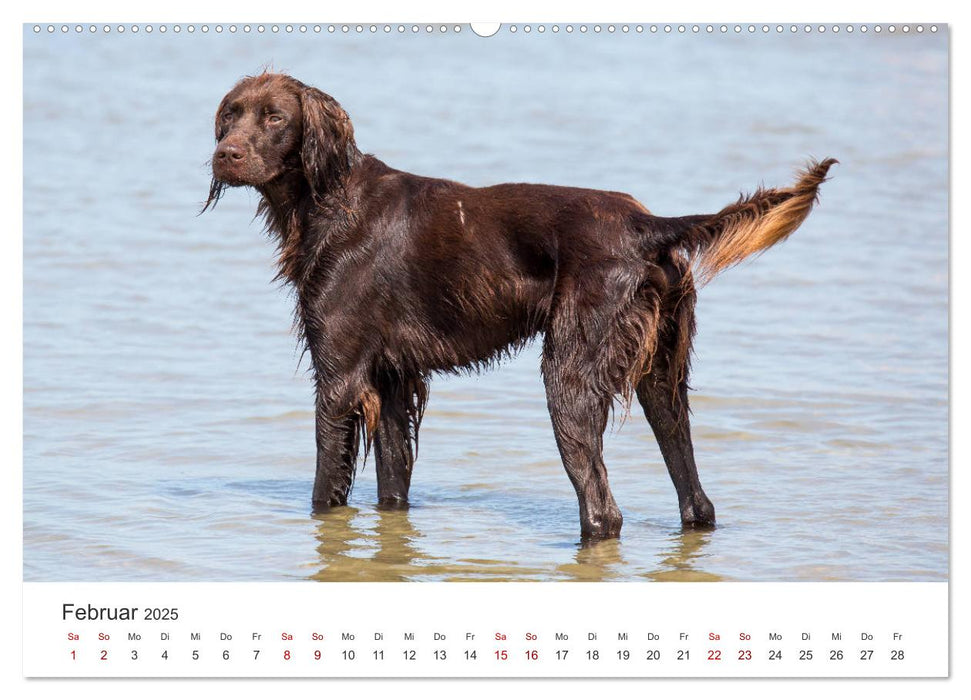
328, 146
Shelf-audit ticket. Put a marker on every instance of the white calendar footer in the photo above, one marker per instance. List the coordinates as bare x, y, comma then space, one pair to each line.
485, 629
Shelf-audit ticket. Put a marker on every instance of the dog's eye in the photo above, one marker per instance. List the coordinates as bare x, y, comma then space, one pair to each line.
226, 116
274, 119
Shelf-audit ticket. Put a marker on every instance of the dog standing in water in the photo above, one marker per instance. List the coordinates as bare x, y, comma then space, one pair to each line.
400, 276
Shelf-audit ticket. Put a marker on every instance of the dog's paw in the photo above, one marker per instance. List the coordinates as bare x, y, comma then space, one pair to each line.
698, 514
602, 526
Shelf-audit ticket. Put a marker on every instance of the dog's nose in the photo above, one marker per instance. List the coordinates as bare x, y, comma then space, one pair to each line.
229, 152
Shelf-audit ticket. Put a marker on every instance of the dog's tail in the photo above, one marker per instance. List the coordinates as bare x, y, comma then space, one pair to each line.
749, 226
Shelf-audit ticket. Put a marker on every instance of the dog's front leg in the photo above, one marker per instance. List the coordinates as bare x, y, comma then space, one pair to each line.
394, 455
396, 440
337, 446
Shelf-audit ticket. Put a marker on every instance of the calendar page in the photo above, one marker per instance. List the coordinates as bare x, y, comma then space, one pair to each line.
448, 350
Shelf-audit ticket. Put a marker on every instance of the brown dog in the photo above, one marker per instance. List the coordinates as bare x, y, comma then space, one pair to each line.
400, 276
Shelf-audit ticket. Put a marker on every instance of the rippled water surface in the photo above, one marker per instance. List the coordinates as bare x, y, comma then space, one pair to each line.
168, 430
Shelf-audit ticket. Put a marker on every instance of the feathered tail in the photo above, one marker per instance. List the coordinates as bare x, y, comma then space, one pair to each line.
749, 226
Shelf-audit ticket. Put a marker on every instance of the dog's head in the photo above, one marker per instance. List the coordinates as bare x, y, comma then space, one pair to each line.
271, 125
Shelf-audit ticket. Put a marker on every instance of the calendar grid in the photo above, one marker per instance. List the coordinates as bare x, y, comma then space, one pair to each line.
486, 630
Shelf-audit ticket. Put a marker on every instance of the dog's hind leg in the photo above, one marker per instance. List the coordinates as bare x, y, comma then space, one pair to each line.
668, 415
579, 415
663, 394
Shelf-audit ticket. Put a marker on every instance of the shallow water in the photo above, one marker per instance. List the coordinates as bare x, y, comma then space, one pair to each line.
168, 431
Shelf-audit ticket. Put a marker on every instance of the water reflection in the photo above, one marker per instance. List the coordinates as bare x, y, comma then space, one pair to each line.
596, 561
370, 544
381, 545
357, 544
681, 561
376, 545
